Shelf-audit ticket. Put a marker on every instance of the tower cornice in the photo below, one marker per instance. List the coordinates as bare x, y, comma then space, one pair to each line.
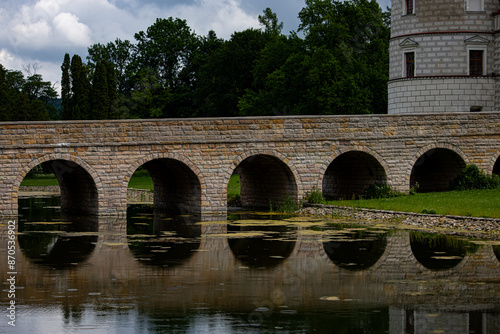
450, 32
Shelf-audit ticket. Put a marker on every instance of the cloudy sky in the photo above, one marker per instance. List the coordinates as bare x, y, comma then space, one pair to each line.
42, 31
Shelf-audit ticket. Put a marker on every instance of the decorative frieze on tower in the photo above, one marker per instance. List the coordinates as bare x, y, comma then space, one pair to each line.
444, 56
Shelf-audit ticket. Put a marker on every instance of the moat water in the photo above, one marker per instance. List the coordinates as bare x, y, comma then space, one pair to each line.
249, 273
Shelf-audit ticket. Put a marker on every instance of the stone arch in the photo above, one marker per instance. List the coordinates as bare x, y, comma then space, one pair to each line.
81, 187
495, 164
179, 190
257, 188
358, 168
435, 166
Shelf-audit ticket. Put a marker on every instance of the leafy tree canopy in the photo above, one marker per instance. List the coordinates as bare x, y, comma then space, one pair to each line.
26, 98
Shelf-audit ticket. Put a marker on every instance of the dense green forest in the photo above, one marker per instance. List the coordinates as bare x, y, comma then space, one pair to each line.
26, 98
336, 63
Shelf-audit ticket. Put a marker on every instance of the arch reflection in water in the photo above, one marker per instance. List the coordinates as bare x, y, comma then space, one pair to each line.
270, 245
439, 251
157, 238
356, 249
51, 238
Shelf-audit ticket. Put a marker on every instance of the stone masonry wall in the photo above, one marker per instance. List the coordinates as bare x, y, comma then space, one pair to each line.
441, 94
441, 15
440, 34
211, 149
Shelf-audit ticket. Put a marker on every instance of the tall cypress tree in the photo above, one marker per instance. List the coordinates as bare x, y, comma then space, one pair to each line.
67, 112
4, 96
112, 90
100, 97
80, 87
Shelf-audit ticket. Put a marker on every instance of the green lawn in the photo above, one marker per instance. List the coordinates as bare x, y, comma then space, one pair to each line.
233, 188
141, 182
475, 203
40, 181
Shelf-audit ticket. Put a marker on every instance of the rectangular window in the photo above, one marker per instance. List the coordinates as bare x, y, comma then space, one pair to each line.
474, 5
409, 7
410, 64
476, 62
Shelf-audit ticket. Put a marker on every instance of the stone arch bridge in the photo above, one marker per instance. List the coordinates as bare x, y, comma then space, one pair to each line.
191, 160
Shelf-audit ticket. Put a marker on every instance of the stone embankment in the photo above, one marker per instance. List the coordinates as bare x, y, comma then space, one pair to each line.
467, 226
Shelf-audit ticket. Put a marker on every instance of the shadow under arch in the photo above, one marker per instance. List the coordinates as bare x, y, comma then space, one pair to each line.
496, 251
261, 252
63, 242
177, 184
358, 250
155, 238
435, 168
496, 166
265, 180
439, 251
350, 173
78, 182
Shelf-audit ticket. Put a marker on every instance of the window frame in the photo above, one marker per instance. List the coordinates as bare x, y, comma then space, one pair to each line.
468, 6
409, 4
406, 63
474, 48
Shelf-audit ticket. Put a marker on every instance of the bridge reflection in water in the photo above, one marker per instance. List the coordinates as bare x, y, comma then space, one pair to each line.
278, 274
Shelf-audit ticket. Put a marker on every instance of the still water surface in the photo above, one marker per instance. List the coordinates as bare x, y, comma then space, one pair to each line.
251, 273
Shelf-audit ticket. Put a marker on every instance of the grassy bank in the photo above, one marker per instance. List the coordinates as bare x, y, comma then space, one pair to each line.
141, 182
474, 203
41, 180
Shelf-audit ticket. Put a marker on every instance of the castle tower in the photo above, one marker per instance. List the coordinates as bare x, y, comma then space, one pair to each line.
444, 56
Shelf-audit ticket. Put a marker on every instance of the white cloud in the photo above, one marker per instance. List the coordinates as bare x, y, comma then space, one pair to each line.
47, 8
224, 17
28, 29
5, 57
69, 26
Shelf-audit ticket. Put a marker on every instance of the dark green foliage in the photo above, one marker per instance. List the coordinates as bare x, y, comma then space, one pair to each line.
380, 190
474, 178
118, 54
223, 79
315, 197
112, 93
100, 98
270, 22
84, 98
66, 87
25, 99
80, 104
340, 66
